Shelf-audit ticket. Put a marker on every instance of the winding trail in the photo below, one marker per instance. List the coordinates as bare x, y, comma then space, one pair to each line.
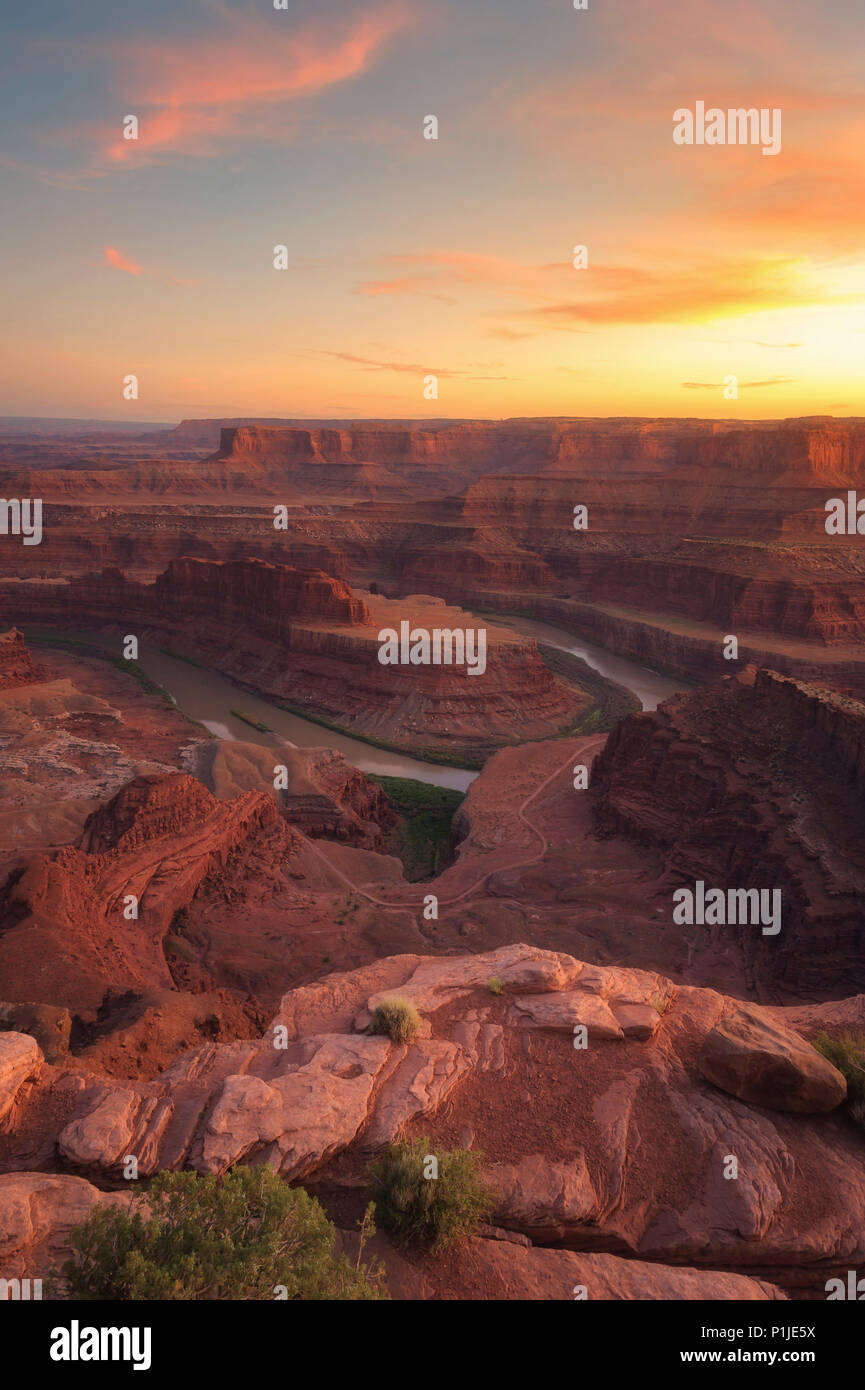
590, 746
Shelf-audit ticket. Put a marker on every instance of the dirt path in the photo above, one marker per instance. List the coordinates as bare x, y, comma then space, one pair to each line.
590, 746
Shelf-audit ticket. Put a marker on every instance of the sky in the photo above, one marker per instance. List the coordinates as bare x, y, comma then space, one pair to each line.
409, 258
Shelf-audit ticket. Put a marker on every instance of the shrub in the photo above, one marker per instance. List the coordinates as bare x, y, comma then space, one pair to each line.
398, 1018
847, 1053
192, 1236
431, 1211
495, 985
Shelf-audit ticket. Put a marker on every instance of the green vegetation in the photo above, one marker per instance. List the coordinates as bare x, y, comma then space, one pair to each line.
177, 947
179, 656
610, 702
422, 840
50, 637
463, 757
495, 985
562, 623
192, 1236
847, 1053
345, 906
397, 1018
252, 721
429, 1199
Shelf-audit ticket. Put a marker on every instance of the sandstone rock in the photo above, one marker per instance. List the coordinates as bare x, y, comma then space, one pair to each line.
20, 1058
306, 1112
16, 666
621, 1146
753, 1057
547, 1201
438, 982
104, 1135
496, 1264
640, 1021
565, 1011
492, 1270
64, 937
37, 1212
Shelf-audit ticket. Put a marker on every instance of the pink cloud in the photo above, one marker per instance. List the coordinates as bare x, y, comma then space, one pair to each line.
118, 261
194, 95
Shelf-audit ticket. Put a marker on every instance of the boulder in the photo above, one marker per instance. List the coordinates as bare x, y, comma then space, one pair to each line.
759, 1061
37, 1212
20, 1058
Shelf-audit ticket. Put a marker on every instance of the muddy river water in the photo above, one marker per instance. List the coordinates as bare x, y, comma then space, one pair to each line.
209, 698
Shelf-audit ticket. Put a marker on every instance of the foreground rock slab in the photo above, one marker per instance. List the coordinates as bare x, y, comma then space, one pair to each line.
582, 1086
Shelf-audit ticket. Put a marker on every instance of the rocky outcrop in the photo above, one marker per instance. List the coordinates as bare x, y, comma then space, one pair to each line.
751, 1057
20, 1058
97, 915
324, 796
500, 1265
616, 1145
754, 783
503, 1270
16, 666
37, 1213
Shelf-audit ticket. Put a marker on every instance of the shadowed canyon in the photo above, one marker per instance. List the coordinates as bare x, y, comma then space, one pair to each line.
599, 821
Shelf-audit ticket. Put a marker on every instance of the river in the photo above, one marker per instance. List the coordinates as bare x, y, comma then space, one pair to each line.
650, 687
209, 698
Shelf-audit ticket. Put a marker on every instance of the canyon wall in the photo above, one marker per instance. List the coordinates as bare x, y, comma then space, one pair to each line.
304, 638
755, 782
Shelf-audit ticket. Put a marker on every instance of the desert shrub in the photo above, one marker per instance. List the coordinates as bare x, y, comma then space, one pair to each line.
192, 1236
398, 1018
495, 985
847, 1053
425, 1210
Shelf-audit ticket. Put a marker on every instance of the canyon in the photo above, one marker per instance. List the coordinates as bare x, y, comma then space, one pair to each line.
174, 893
695, 528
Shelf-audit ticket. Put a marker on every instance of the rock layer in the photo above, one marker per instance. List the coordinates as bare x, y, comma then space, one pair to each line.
755, 782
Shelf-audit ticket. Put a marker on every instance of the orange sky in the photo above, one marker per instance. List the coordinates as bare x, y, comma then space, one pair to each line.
410, 257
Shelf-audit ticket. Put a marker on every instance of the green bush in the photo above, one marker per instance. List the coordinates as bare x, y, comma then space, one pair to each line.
398, 1018
192, 1236
847, 1053
495, 985
431, 1211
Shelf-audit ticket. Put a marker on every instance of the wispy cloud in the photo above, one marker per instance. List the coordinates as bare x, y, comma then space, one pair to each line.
118, 261
741, 385
201, 95
552, 296
371, 364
